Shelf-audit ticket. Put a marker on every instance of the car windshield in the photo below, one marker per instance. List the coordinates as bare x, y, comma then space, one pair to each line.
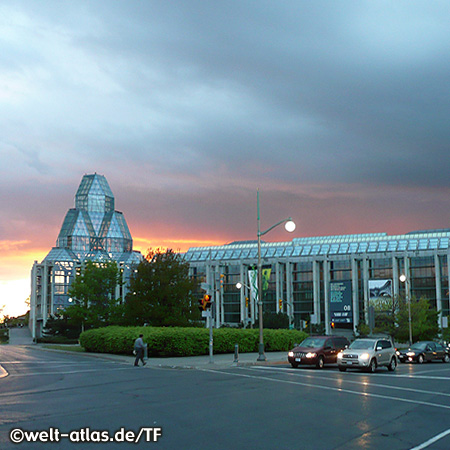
418, 346
362, 345
312, 342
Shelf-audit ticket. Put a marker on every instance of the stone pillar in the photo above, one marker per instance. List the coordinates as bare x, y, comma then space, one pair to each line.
355, 294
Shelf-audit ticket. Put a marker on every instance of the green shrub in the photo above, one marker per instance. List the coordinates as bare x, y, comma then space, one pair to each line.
186, 341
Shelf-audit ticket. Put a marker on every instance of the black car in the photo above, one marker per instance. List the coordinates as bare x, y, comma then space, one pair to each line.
317, 351
423, 351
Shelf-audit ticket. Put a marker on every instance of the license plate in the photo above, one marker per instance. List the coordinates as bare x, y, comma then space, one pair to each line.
298, 359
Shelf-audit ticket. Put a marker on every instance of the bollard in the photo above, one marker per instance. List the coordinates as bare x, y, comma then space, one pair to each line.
236, 354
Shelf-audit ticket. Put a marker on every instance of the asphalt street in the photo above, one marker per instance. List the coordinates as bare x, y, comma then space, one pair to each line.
221, 407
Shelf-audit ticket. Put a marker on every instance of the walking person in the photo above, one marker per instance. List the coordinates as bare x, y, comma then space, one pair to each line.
139, 348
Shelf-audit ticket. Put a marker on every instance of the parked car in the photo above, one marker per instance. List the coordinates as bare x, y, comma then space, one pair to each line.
317, 350
368, 354
423, 351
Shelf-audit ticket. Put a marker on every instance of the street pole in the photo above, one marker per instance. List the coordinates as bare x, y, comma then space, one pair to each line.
290, 227
261, 356
405, 279
408, 298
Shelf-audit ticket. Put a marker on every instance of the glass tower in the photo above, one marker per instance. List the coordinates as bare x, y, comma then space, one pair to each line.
92, 231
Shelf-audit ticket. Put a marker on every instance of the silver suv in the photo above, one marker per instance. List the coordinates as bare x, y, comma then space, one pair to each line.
368, 354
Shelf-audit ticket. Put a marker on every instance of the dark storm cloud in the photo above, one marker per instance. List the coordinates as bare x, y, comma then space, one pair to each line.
190, 106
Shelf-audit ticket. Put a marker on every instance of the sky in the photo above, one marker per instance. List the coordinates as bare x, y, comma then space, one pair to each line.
337, 111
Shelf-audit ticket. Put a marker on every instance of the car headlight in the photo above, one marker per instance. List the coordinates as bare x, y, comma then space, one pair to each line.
365, 356
398, 353
410, 354
291, 354
339, 355
311, 355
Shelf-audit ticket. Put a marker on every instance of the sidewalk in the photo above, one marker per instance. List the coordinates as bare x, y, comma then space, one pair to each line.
20, 336
221, 361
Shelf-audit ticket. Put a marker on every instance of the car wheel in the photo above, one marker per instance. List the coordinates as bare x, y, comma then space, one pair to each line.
320, 363
294, 365
372, 366
420, 359
392, 365
446, 359
342, 369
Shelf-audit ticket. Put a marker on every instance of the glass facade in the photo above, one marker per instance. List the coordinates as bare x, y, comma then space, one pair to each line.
93, 230
303, 269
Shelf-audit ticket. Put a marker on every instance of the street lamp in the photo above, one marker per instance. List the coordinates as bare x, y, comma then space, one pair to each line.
290, 227
405, 279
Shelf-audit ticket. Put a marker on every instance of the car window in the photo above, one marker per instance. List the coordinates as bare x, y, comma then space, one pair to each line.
312, 342
439, 348
361, 344
340, 342
432, 346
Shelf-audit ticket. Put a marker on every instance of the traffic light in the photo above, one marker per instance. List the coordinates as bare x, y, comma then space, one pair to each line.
205, 302
332, 325
246, 302
280, 304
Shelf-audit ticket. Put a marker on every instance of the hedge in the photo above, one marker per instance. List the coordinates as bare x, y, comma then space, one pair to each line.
186, 341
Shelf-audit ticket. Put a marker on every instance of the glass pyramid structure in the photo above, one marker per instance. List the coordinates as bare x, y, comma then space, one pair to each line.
93, 230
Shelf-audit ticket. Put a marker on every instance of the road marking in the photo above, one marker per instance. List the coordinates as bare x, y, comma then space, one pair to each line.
432, 440
363, 383
328, 388
3, 372
68, 372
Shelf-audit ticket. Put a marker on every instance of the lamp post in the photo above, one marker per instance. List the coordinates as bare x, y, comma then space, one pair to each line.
290, 227
405, 279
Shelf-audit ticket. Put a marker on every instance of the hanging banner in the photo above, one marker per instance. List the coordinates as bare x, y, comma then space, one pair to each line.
253, 283
379, 289
380, 295
265, 278
341, 301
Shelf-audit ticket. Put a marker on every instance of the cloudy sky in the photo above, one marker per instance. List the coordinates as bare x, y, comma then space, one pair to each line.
338, 111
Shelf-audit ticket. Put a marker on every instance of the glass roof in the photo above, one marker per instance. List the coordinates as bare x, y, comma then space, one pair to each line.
325, 245
93, 229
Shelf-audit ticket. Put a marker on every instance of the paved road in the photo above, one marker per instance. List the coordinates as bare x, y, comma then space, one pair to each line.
270, 407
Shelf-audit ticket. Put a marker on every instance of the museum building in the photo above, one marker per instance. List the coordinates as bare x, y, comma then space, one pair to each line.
92, 231
327, 280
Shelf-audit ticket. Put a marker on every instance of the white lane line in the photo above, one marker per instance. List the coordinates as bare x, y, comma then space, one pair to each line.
361, 383
328, 388
3, 372
358, 373
432, 440
45, 362
68, 372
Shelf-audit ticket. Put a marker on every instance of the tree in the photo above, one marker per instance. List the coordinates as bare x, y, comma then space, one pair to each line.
93, 293
424, 320
161, 292
392, 317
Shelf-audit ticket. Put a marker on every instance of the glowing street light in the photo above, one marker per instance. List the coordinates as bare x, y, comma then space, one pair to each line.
289, 227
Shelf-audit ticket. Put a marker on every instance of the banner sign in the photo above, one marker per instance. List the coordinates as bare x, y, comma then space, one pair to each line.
341, 301
253, 281
379, 289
